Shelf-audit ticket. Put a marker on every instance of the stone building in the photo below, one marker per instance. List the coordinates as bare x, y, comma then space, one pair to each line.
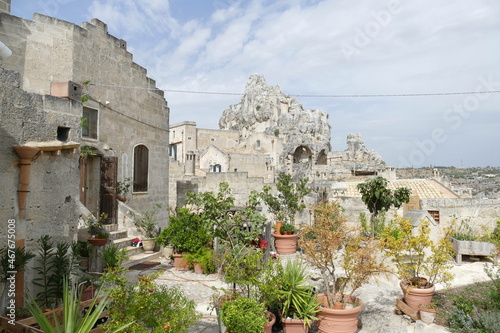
82, 147
268, 132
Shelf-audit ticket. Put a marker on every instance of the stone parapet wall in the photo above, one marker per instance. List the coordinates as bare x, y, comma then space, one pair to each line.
477, 212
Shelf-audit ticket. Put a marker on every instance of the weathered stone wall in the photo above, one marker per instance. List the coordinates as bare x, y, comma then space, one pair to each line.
254, 164
53, 200
477, 212
4, 6
14, 32
239, 182
131, 110
222, 139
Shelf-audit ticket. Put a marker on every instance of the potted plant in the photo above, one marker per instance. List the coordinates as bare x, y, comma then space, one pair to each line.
299, 303
112, 257
73, 318
187, 233
122, 189
420, 262
147, 222
98, 234
427, 312
284, 206
202, 261
81, 253
245, 315
466, 241
149, 306
287, 229
378, 199
329, 244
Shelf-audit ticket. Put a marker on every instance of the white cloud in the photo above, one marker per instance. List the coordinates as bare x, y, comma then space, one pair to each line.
424, 46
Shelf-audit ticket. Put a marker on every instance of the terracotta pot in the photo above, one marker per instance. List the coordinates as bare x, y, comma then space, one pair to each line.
414, 296
278, 228
294, 326
197, 268
180, 263
98, 241
286, 244
427, 315
83, 262
148, 244
336, 320
268, 328
122, 199
89, 293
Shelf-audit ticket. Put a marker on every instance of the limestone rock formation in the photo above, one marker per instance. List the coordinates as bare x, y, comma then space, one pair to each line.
356, 150
267, 109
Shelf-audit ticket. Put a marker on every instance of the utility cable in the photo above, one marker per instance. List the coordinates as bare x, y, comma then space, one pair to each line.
304, 95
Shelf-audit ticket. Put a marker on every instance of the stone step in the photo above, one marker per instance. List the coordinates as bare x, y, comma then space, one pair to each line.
123, 243
110, 227
118, 234
134, 250
140, 258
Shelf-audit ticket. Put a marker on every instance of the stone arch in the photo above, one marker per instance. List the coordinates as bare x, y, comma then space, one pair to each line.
302, 154
322, 158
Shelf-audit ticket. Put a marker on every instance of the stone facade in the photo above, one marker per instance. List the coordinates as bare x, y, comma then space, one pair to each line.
30, 119
4, 6
130, 111
82, 147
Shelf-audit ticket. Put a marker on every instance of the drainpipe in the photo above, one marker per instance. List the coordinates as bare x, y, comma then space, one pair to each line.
26, 154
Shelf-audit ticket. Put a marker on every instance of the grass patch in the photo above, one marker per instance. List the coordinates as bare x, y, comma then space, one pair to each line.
472, 308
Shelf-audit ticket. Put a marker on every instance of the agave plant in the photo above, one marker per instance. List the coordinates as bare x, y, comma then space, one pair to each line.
73, 321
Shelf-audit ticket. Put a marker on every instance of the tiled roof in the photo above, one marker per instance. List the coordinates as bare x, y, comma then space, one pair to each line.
423, 188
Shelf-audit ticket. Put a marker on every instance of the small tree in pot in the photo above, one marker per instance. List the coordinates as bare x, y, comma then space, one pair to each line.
284, 206
420, 262
378, 198
329, 242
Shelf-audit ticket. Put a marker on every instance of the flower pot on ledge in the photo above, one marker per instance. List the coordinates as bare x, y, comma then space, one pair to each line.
97, 241
286, 244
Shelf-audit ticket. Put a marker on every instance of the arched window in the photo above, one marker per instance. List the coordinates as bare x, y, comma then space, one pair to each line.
141, 165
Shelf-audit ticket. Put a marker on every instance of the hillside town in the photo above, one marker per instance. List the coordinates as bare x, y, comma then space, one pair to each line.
96, 172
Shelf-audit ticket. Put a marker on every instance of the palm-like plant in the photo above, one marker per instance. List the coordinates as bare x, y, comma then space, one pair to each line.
299, 299
73, 322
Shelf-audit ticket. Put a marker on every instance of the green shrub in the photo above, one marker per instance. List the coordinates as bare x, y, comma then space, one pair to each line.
151, 308
113, 256
490, 321
187, 232
244, 315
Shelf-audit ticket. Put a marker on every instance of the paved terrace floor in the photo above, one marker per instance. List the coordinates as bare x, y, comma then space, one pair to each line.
379, 298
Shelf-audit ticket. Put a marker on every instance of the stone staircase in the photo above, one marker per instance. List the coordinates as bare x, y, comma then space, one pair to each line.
136, 255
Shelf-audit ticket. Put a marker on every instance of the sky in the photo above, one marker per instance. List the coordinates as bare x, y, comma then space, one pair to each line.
319, 50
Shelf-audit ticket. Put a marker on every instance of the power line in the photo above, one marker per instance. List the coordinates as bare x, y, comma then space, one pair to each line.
304, 95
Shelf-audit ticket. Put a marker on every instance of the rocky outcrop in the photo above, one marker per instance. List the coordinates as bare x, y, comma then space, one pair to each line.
357, 151
268, 110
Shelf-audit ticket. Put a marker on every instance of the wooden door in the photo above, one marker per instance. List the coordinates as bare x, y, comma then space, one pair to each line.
108, 202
